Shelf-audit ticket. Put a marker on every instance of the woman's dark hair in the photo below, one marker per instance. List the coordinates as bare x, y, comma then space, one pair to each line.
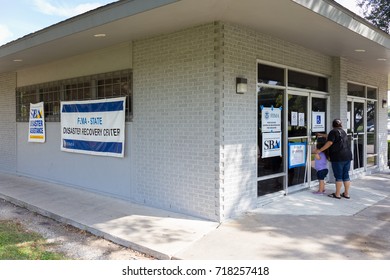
337, 123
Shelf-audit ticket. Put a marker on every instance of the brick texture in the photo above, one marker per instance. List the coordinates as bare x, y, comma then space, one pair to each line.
8, 122
174, 122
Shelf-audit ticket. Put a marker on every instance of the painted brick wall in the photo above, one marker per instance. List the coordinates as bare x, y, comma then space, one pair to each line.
8, 123
175, 110
242, 47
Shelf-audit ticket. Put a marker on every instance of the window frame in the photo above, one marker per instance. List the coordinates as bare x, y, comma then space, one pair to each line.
74, 89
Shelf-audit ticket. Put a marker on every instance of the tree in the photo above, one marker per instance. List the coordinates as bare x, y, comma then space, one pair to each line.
377, 12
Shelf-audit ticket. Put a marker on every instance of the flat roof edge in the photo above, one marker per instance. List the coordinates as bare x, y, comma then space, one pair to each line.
94, 18
344, 17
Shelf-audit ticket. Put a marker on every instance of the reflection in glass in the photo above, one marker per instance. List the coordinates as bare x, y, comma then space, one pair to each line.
297, 115
371, 133
356, 90
270, 75
270, 186
307, 81
358, 129
268, 97
319, 105
371, 93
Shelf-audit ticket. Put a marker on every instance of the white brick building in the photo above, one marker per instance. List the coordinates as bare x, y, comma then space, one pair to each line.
192, 143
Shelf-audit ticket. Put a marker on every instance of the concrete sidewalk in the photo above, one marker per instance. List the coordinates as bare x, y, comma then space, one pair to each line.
299, 226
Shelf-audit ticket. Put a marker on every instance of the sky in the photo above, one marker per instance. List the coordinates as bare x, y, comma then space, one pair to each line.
22, 17
350, 5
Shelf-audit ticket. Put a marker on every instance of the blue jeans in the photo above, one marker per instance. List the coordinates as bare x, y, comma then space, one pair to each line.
321, 174
341, 170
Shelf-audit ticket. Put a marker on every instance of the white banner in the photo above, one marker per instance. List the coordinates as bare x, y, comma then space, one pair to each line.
94, 127
36, 126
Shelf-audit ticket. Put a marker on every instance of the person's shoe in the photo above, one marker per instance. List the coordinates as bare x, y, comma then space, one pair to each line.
333, 195
318, 192
343, 195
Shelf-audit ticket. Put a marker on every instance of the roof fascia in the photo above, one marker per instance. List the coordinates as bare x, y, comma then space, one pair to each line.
86, 21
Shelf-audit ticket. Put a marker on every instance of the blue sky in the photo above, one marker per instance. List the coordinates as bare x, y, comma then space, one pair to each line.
21, 17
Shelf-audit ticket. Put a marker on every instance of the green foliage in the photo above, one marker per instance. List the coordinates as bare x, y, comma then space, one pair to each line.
16, 243
377, 12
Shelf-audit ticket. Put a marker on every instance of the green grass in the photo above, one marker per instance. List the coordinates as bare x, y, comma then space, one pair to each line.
17, 243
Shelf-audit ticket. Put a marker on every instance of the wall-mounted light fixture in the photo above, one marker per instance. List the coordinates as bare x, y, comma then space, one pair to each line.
241, 85
384, 103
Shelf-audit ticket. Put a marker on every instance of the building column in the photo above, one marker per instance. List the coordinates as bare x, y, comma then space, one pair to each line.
339, 91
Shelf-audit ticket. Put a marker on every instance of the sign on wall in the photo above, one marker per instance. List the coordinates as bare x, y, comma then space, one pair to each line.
36, 126
95, 127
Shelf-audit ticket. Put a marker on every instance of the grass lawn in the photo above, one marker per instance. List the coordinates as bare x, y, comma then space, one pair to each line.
17, 243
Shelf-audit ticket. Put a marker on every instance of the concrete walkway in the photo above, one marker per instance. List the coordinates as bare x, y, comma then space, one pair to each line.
299, 226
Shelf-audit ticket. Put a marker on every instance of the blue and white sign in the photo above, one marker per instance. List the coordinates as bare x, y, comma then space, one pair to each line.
36, 124
318, 122
296, 154
95, 127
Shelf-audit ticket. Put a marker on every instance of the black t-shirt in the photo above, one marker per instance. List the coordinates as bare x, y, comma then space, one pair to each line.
340, 150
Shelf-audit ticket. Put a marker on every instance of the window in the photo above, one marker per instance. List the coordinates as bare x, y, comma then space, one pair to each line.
356, 90
371, 93
275, 76
106, 85
307, 81
270, 75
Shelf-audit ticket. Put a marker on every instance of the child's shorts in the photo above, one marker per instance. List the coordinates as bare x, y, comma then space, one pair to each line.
321, 174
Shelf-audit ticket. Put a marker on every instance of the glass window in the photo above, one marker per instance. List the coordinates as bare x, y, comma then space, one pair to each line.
270, 186
356, 90
270, 75
297, 116
319, 105
307, 81
268, 97
371, 93
371, 135
106, 85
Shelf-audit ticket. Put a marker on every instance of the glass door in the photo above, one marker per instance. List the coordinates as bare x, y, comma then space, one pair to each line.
307, 116
356, 131
319, 109
298, 139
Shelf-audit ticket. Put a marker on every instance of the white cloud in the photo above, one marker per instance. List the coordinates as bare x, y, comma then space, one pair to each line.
63, 10
5, 34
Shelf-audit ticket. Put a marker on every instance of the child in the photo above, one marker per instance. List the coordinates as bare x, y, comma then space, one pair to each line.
321, 165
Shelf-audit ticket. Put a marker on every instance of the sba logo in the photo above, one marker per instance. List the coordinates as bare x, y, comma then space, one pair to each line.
271, 144
36, 114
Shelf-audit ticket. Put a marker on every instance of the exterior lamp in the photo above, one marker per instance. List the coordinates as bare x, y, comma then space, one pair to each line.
241, 85
384, 103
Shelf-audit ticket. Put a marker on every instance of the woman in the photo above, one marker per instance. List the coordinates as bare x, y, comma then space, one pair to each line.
340, 157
